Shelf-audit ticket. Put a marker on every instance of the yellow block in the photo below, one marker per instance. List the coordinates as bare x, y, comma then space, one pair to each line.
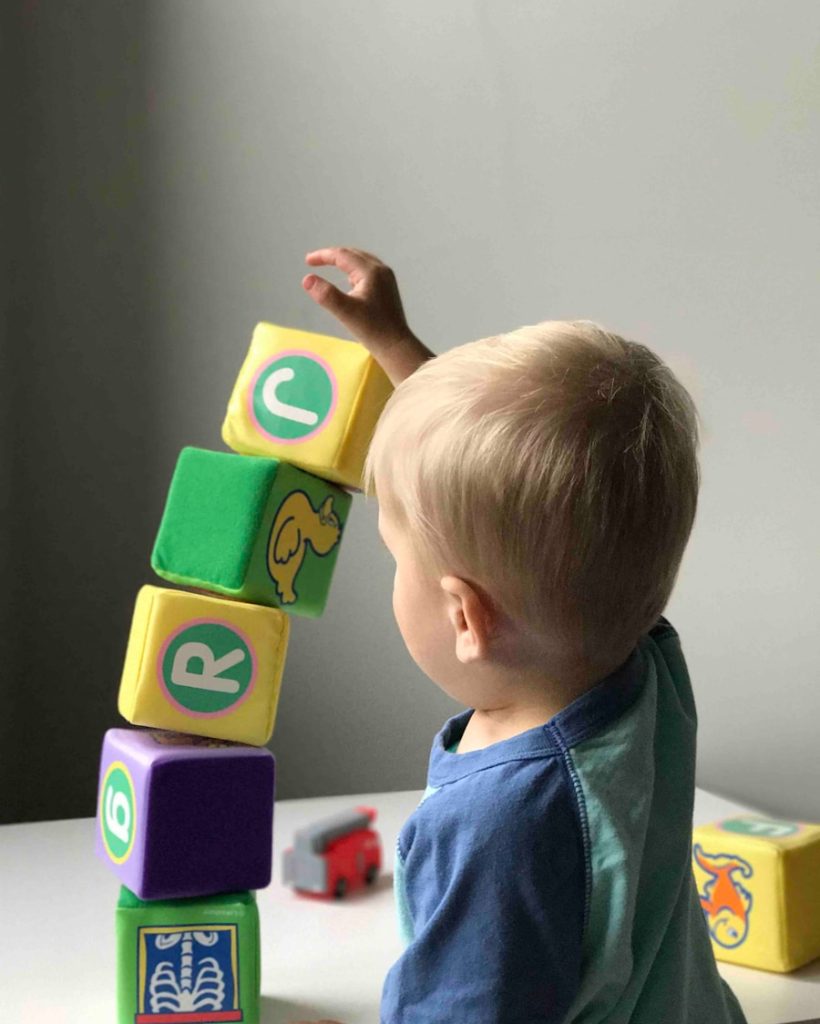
308, 399
203, 665
759, 885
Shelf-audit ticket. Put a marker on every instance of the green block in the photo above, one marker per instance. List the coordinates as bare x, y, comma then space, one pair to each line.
194, 957
254, 528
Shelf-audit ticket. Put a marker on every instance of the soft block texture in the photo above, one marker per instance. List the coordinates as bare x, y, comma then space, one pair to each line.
203, 665
309, 399
759, 886
188, 960
253, 528
183, 816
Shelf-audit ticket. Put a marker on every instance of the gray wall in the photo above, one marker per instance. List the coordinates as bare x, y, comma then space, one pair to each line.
90, 452
9, 184
652, 165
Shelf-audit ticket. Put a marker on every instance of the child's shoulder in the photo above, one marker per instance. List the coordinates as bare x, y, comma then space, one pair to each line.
663, 630
516, 811
509, 788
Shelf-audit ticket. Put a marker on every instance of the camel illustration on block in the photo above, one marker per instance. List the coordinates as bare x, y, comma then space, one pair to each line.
297, 524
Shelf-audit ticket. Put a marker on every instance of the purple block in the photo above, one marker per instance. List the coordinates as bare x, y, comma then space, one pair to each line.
181, 816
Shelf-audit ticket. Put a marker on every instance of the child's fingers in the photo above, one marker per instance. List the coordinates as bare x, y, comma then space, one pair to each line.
348, 260
328, 296
366, 257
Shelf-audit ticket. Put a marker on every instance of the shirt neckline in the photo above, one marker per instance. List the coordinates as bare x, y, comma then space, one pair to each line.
587, 714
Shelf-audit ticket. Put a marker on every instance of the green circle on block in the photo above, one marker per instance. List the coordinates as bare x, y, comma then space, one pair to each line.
207, 668
118, 812
760, 827
292, 397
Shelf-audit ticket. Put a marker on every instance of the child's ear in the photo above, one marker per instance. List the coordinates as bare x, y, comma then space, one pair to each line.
472, 617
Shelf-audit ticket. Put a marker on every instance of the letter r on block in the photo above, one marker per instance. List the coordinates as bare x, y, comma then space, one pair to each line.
209, 678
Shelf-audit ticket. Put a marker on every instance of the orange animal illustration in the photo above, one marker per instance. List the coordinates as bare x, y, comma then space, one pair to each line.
725, 902
297, 524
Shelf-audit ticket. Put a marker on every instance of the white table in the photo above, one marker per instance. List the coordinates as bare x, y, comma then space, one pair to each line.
57, 956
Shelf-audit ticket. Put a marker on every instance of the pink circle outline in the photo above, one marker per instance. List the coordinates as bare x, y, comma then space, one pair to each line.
206, 622
333, 401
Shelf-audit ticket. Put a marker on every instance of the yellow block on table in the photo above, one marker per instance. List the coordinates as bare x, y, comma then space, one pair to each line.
308, 399
759, 885
203, 665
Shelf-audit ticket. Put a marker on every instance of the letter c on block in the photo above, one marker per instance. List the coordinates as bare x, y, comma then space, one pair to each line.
280, 408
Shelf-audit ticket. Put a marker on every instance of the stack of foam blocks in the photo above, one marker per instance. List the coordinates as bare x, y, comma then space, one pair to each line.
185, 805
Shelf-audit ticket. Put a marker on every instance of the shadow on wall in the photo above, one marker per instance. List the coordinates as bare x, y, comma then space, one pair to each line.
83, 467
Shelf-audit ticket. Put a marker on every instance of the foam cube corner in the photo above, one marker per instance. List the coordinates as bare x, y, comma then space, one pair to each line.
757, 881
309, 399
182, 816
253, 528
204, 665
188, 960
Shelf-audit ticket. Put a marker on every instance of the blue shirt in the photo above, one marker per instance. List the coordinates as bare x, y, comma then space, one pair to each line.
547, 878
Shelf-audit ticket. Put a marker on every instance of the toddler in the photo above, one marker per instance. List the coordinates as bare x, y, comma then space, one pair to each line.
537, 491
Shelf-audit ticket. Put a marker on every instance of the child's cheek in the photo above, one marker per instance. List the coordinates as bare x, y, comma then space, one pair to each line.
397, 601
403, 611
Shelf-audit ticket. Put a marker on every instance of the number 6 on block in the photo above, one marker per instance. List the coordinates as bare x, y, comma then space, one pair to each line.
203, 665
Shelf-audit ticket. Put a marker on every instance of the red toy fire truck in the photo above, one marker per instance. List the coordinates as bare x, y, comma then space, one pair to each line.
334, 855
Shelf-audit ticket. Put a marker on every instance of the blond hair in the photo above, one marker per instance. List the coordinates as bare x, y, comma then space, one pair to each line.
556, 466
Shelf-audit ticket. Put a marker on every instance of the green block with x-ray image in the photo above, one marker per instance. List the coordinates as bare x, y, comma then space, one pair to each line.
253, 528
195, 958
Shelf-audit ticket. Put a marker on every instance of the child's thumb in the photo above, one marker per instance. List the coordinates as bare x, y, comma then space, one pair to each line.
328, 296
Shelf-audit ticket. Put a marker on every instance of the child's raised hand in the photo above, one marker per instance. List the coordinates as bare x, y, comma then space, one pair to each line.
371, 310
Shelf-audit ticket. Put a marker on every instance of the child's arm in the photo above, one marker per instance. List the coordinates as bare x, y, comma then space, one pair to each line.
492, 891
371, 310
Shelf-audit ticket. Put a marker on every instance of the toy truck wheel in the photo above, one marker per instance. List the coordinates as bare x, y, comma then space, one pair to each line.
370, 874
340, 888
